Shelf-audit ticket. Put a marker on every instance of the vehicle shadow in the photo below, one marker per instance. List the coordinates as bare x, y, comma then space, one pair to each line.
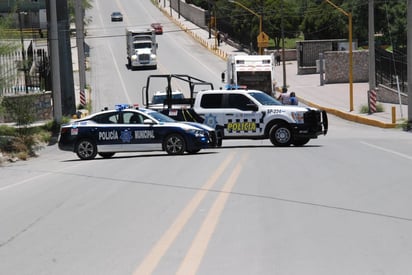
118, 157
267, 146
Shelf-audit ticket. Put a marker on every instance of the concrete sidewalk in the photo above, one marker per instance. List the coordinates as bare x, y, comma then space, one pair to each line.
334, 98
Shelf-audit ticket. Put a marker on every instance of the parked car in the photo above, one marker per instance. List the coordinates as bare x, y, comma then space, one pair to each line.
158, 28
117, 16
127, 129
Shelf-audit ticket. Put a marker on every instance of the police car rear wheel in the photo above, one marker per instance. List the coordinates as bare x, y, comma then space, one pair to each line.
280, 135
86, 149
174, 144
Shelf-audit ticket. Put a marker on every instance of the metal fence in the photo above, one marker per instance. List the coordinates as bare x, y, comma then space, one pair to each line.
24, 72
390, 67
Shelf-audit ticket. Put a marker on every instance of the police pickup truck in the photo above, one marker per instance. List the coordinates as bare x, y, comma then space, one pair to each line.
252, 114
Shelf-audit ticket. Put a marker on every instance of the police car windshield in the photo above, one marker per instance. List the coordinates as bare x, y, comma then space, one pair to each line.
161, 117
264, 99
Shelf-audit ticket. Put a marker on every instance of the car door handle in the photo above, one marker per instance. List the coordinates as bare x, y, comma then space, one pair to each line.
229, 114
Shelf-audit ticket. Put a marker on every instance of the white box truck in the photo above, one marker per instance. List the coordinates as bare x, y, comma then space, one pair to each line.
141, 48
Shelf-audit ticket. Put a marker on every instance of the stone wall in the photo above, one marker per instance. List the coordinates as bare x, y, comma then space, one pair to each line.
290, 54
41, 106
337, 66
191, 12
388, 95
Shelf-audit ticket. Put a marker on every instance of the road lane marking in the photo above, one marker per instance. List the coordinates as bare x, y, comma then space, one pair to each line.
192, 260
160, 248
32, 178
387, 150
112, 55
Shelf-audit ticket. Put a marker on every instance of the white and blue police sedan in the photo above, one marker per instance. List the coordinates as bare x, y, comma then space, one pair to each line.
126, 129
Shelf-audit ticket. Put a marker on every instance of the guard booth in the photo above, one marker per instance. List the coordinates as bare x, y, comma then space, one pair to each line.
308, 53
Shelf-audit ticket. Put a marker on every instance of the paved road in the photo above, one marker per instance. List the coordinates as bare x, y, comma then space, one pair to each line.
340, 205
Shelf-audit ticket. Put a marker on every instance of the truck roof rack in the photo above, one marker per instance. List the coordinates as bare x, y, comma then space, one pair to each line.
190, 80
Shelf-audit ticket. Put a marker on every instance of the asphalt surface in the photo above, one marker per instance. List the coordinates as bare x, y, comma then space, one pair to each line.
334, 98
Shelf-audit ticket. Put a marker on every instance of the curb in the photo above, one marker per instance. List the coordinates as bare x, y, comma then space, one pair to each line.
220, 53
349, 116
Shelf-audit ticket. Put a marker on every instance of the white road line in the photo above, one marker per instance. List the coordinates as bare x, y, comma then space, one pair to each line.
408, 157
4, 188
114, 59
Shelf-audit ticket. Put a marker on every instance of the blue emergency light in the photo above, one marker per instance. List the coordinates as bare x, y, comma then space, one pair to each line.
120, 107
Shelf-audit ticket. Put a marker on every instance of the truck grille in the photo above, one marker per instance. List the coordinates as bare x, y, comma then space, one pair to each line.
316, 121
144, 58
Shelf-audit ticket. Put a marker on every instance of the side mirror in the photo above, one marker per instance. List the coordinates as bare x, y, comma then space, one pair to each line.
252, 107
148, 121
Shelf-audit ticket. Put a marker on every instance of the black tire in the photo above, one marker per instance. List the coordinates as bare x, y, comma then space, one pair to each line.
194, 151
86, 149
106, 155
280, 135
219, 138
300, 141
174, 144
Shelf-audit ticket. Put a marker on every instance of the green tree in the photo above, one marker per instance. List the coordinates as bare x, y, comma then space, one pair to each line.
71, 5
322, 21
278, 13
243, 25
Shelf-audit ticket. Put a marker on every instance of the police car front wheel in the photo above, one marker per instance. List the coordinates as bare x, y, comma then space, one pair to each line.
174, 144
106, 155
86, 149
280, 135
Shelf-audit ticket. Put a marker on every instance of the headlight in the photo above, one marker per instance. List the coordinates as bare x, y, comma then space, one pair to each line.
196, 133
298, 117
153, 56
134, 57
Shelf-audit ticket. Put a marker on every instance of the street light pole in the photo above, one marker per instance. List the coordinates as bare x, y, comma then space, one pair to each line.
254, 13
349, 15
23, 53
285, 87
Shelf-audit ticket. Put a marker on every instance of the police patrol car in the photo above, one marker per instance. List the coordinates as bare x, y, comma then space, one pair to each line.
125, 129
252, 114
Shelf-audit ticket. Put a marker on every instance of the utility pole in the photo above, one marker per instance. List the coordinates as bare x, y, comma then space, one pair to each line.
23, 51
54, 60
409, 61
371, 23
285, 87
60, 58
80, 51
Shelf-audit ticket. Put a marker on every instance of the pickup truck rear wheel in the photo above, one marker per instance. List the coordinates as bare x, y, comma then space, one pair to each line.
86, 149
174, 144
281, 135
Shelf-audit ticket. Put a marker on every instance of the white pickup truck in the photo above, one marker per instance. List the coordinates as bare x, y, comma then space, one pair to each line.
251, 114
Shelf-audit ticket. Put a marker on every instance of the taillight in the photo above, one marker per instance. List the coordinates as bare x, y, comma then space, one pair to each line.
64, 130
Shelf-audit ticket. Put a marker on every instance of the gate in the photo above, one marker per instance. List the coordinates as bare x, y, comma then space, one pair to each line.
24, 73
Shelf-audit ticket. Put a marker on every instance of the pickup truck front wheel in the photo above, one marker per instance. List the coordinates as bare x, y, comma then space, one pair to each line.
281, 135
